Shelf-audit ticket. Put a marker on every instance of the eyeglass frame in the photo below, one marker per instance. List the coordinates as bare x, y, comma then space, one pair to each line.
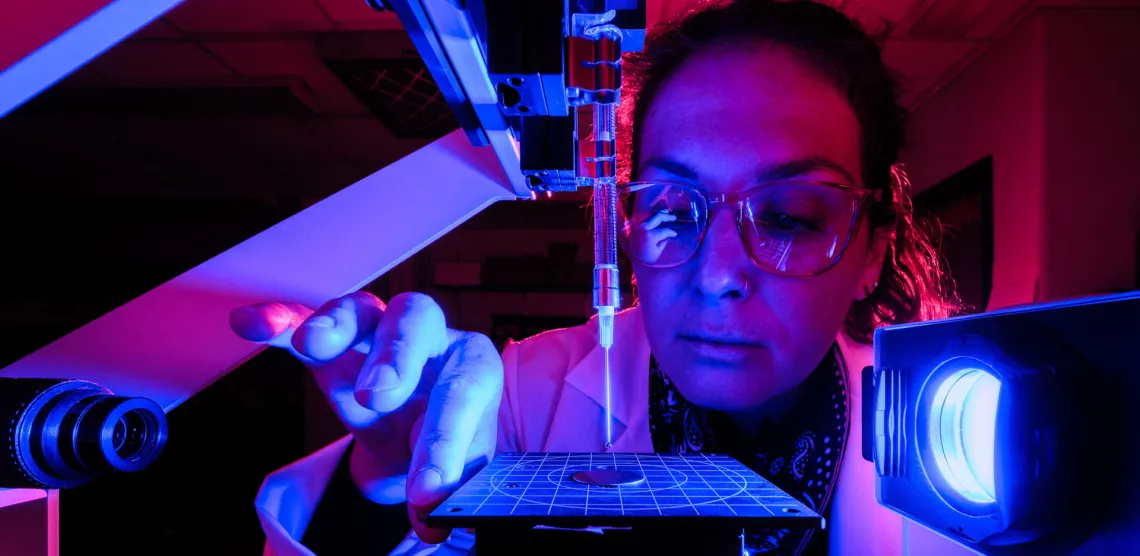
859, 197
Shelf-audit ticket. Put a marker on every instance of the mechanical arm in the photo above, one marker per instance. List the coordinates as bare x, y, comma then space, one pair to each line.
534, 85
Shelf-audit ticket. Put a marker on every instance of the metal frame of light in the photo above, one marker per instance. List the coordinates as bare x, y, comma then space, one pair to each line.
1050, 362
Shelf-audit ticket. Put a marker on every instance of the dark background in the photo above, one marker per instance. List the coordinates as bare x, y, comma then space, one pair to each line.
962, 209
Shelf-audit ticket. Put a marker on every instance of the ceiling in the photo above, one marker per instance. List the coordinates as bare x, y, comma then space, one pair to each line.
303, 133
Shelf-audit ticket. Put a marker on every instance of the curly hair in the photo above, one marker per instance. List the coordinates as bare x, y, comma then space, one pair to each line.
913, 284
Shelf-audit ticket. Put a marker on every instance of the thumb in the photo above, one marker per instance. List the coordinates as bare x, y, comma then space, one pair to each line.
423, 489
269, 323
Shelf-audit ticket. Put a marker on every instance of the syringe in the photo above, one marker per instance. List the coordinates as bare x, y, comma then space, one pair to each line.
607, 289
595, 83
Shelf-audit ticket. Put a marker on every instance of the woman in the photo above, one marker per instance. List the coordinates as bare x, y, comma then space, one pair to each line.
770, 233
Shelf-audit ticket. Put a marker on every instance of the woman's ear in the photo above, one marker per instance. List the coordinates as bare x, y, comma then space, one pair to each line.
873, 265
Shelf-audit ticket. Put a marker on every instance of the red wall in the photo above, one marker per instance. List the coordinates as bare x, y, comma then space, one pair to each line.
1055, 103
996, 107
1092, 146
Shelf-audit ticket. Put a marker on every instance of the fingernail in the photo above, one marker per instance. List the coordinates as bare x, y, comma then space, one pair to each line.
321, 321
251, 324
425, 486
379, 379
387, 379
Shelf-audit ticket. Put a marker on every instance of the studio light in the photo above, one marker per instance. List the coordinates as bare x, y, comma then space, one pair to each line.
981, 427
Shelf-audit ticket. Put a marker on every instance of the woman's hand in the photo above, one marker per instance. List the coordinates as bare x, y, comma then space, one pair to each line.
421, 400
655, 236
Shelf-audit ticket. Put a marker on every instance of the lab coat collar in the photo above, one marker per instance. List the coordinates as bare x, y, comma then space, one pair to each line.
629, 374
629, 383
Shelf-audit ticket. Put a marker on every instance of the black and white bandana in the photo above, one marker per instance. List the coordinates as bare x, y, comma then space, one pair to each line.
800, 454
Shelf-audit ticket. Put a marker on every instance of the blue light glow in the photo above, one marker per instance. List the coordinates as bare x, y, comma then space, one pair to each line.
962, 423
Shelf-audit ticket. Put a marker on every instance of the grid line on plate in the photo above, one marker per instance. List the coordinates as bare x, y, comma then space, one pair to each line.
649, 486
720, 497
753, 496
557, 485
591, 466
491, 482
495, 488
690, 500
530, 482
621, 504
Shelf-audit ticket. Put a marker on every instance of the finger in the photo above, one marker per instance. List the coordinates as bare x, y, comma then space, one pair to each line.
659, 218
412, 330
268, 323
342, 326
417, 513
464, 399
338, 326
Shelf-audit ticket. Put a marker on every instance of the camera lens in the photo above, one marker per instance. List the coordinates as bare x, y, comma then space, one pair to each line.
66, 432
119, 437
118, 433
131, 433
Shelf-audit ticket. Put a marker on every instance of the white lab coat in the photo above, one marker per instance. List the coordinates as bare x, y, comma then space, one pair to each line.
553, 400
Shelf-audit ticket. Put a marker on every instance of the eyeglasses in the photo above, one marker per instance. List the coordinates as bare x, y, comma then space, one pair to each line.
788, 227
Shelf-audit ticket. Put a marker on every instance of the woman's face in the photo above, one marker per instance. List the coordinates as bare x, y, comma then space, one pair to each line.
729, 334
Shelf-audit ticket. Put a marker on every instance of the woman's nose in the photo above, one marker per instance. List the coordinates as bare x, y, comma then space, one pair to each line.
724, 267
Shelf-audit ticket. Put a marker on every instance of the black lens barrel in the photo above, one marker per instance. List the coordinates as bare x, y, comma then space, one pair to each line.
64, 433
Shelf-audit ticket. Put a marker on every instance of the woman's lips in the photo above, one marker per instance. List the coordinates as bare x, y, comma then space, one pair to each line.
720, 349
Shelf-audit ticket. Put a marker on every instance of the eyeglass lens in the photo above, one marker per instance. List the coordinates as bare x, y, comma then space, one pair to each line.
794, 228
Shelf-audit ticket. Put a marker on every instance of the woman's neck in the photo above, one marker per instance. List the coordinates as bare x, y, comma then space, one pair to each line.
748, 421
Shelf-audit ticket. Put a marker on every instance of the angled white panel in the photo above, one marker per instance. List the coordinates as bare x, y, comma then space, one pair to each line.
173, 341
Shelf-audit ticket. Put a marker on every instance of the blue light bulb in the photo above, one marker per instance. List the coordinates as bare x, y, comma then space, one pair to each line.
963, 423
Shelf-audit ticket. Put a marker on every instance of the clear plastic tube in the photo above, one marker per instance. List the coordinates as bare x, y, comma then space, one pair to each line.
607, 289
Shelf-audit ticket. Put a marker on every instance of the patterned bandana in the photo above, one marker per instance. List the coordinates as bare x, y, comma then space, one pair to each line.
800, 454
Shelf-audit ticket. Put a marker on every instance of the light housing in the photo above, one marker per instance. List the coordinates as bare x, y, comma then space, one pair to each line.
980, 427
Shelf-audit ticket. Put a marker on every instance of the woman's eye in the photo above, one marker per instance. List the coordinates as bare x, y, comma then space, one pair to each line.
788, 223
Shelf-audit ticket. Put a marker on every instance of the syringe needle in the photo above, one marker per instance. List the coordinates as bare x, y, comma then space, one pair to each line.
606, 340
609, 420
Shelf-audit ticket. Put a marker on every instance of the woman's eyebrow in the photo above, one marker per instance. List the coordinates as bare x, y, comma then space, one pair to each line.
780, 171
800, 166
673, 167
